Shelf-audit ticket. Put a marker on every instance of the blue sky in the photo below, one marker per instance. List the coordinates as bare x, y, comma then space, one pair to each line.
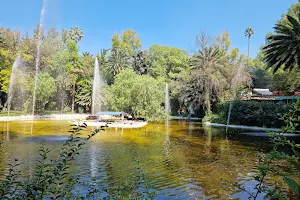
164, 22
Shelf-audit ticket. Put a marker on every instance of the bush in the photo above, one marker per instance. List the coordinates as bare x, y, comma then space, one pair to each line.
253, 113
67, 109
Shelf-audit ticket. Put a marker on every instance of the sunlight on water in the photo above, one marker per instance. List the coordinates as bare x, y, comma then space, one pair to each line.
181, 159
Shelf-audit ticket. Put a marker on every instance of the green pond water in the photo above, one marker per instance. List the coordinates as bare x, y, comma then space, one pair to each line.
181, 160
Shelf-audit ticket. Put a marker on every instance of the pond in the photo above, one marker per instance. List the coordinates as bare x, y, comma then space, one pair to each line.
180, 159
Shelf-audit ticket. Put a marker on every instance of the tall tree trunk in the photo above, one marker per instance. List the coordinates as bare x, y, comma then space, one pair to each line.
248, 51
73, 97
207, 101
248, 47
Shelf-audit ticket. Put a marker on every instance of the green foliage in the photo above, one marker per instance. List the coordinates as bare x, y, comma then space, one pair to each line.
76, 34
139, 63
213, 118
286, 81
295, 187
277, 161
140, 95
166, 62
128, 43
253, 113
117, 62
262, 77
282, 49
52, 179
45, 89
84, 94
55, 179
214, 71
2, 43
294, 11
105, 67
249, 32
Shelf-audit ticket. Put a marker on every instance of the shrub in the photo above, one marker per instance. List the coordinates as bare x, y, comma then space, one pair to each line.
253, 113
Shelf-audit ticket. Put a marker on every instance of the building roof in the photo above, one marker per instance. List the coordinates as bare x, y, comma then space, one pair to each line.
263, 92
109, 113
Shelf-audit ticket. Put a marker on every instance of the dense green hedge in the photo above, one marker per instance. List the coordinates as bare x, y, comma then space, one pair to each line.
253, 113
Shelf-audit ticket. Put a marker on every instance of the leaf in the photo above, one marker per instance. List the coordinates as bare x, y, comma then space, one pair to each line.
293, 185
296, 152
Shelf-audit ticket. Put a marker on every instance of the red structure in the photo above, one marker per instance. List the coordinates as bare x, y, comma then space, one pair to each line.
280, 93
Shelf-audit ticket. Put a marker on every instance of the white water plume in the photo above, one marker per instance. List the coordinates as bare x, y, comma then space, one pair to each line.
38, 52
235, 82
96, 98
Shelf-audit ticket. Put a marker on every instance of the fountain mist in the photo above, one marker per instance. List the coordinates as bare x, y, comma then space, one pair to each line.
12, 82
96, 98
167, 100
235, 81
38, 53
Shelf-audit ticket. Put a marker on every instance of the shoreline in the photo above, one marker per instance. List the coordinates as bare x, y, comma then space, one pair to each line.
44, 117
253, 128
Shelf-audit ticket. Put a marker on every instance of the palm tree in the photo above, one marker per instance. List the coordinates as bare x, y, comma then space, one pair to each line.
283, 48
117, 62
76, 34
248, 33
102, 57
87, 54
206, 81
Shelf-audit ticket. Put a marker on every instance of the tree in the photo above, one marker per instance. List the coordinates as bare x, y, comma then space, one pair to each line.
128, 43
10, 41
2, 43
76, 34
84, 95
117, 62
73, 66
139, 63
88, 65
166, 62
248, 33
216, 74
45, 89
283, 47
285, 81
206, 81
105, 70
293, 11
140, 95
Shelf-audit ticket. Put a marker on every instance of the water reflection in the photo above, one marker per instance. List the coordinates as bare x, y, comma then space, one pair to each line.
180, 159
7, 131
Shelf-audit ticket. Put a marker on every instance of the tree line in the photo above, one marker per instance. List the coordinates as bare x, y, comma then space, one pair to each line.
134, 78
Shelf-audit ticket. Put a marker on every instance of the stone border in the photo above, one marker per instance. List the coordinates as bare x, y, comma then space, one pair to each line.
44, 117
255, 128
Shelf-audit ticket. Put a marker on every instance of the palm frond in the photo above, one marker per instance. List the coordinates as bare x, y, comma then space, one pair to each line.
283, 47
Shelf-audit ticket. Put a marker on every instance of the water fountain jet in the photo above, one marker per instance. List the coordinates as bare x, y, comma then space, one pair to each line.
235, 82
96, 97
38, 53
167, 100
13, 77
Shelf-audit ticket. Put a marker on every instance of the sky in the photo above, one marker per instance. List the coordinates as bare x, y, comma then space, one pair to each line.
166, 22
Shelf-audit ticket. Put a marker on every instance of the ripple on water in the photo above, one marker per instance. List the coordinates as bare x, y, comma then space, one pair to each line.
188, 163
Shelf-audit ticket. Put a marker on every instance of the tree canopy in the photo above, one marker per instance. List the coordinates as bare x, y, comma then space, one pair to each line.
133, 77
140, 95
283, 47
